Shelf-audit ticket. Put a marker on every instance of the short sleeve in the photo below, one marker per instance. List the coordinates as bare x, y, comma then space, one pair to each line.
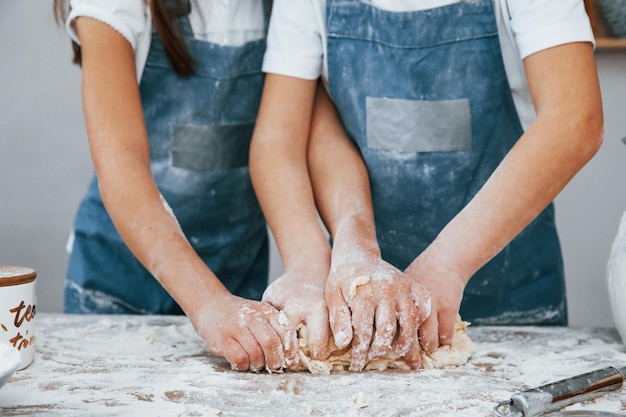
294, 42
131, 18
542, 24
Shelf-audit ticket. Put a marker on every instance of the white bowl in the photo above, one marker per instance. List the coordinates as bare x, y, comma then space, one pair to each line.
9, 362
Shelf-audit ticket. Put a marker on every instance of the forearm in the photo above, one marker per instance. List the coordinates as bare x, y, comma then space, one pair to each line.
148, 227
249, 334
119, 147
565, 135
528, 179
147, 224
278, 168
340, 180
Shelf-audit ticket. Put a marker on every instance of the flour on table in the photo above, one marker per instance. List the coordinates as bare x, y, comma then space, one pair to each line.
455, 354
89, 364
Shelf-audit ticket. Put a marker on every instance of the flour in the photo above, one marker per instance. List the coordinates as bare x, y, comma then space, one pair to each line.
159, 366
604, 403
359, 400
89, 300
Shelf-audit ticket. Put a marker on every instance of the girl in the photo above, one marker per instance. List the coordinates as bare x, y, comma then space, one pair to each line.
470, 116
170, 94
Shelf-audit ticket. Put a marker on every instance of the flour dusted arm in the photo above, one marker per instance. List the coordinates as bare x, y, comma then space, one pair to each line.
370, 301
247, 333
566, 133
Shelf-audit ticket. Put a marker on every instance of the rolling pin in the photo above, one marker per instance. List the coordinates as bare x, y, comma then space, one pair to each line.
556, 395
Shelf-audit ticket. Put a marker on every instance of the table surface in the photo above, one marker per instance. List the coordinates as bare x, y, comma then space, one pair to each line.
158, 366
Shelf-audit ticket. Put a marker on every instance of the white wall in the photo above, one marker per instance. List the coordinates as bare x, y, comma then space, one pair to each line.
589, 209
44, 160
45, 165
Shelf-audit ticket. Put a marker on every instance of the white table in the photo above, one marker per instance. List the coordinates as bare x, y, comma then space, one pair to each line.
157, 366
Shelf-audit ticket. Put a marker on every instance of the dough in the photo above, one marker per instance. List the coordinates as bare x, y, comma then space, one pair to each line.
455, 354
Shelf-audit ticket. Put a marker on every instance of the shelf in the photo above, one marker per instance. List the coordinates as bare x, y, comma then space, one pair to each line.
610, 43
604, 38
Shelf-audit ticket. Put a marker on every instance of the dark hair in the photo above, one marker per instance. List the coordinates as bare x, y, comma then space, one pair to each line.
166, 25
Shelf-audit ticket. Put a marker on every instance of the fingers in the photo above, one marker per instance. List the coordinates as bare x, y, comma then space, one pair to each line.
288, 336
429, 334
446, 328
260, 338
363, 323
339, 317
408, 321
257, 324
413, 357
385, 331
318, 334
244, 353
427, 319
422, 300
412, 310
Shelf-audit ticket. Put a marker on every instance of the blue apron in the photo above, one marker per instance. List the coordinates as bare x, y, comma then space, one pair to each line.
199, 130
425, 97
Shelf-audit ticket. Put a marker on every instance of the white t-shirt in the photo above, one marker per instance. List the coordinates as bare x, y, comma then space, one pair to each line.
225, 22
297, 36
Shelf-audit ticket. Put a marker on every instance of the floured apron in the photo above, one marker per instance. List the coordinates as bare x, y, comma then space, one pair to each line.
199, 130
424, 95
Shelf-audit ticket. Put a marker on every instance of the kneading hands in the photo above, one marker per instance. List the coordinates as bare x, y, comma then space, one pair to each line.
300, 157
303, 165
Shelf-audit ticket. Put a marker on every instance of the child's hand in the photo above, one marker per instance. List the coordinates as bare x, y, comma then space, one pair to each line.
369, 302
446, 288
251, 335
299, 293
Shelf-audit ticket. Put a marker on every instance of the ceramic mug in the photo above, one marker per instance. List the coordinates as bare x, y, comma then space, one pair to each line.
17, 310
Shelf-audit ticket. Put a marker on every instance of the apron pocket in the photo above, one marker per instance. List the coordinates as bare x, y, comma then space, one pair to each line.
211, 148
418, 126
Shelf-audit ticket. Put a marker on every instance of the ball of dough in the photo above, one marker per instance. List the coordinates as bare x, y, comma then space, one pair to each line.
455, 354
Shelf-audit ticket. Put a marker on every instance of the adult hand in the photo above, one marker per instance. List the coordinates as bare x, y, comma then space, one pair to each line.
299, 293
249, 334
369, 302
446, 288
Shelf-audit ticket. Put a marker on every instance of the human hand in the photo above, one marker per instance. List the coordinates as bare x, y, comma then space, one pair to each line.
446, 288
369, 302
249, 334
299, 293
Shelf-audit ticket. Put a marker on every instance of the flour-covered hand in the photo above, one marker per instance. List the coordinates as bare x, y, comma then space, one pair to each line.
299, 293
372, 303
251, 335
446, 289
